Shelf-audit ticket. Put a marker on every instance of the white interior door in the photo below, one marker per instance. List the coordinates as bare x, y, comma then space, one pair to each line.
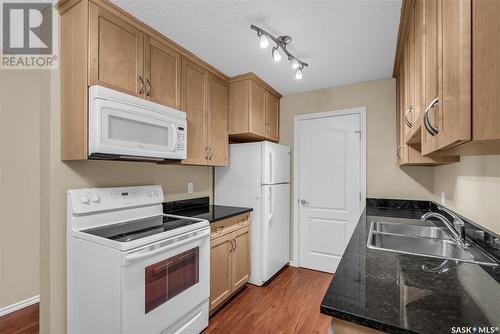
329, 187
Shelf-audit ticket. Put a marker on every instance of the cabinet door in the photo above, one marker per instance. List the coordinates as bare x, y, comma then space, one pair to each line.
162, 73
272, 117
116, 53
399, 112
220, 269
409, 115
241, 257
408, 85
431, 71
485, 73
218, 121
454, 117
447, 74
418, 40
194, 103
257, 109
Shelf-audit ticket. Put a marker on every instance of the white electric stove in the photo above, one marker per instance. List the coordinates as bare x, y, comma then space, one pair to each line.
133, 269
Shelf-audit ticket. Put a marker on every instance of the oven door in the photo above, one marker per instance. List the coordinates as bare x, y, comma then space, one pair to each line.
124, 129
165, 281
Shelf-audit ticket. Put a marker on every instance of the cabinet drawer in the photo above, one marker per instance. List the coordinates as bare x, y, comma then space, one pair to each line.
229, 225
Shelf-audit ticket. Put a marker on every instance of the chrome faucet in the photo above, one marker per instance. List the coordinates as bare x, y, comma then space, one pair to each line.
457, 228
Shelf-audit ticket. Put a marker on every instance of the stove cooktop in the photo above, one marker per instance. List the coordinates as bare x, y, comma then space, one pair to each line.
141, 228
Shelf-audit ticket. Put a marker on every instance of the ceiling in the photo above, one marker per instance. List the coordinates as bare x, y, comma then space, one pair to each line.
343, 41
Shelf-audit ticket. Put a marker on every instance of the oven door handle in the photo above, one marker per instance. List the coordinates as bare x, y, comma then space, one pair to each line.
175, 244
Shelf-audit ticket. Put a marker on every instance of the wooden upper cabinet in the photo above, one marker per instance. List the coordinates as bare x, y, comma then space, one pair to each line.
116, 52
205, 101
257, 110
272, 116
485, 78
447, 114
162, 71
218, 100
241, 257
253, 110
194, 103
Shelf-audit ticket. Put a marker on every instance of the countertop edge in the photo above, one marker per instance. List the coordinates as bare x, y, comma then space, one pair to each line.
243, 210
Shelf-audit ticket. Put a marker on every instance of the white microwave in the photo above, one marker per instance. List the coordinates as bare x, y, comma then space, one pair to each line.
127, 127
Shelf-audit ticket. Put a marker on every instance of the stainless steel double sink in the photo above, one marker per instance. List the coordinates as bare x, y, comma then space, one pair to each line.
423, 240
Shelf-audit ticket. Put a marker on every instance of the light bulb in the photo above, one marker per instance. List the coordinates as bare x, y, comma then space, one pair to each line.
276, 54
295, 64
298, 74
263, 41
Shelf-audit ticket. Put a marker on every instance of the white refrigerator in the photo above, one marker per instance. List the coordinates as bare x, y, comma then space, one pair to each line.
258, 176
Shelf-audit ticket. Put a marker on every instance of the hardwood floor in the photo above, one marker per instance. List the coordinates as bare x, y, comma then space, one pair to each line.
289, 304
24, 321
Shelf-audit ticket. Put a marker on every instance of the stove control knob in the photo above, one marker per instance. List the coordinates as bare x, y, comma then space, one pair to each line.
95, 198
84, 200
150, 193
157, 193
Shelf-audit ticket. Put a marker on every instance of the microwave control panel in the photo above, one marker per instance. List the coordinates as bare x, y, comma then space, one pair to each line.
181, 139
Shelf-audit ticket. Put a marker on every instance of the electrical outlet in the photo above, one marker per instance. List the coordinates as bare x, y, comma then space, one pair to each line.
190, 187
443, 199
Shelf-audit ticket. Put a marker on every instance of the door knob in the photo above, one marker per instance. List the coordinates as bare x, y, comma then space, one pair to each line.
304, 202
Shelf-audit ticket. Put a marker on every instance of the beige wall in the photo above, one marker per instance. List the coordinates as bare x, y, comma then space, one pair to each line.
472, 188
384, 178
68, 175
33, 191
20, 184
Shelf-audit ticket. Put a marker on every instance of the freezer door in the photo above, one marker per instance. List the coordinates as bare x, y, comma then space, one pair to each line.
275, 229
275, 163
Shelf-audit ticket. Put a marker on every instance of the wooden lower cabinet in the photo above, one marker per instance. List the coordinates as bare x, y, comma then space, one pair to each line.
241, 257
220, 270
229, 258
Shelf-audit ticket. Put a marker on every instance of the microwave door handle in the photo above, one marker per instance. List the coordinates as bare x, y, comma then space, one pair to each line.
139, 256
174, 137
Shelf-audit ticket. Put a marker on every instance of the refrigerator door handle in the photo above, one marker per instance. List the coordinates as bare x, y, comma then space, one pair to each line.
272, 168
271, 203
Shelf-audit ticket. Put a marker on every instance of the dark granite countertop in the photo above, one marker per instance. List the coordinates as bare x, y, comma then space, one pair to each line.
200, 208
390, 291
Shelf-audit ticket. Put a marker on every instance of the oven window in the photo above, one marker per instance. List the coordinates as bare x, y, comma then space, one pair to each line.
168, 278
137, 132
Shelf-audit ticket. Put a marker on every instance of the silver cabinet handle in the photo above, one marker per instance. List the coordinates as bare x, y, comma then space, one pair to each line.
211, 154
206, 153
428, 126
408, 123
141, 86
148, 83
398, 152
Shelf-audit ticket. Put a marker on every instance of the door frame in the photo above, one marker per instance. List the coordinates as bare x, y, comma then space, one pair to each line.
361, 111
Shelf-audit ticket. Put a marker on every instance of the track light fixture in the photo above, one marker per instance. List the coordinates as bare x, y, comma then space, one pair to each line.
281, 43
